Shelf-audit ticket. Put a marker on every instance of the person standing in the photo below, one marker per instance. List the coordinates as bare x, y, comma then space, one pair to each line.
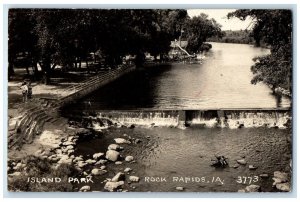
24, 89
29, 90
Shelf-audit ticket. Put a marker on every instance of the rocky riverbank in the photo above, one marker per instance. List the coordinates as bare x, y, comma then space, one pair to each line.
111, 166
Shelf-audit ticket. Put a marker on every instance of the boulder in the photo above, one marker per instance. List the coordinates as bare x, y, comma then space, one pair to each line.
286, 187
112, 155
134, 178
77, 158
113, 186
114, 147
179, 188
118, 162
70, 151
121, 141
102, 167
19, 166
97, 156
85, 188
65, 160
15, 174
283, 177
129, 158
67, 143
70, 147
90, 161
118, 177
253, 188
102, 161
126, 170
81, 164
241, 161
97, 171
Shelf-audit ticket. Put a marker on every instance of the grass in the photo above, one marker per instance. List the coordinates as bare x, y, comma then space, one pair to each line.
42, 168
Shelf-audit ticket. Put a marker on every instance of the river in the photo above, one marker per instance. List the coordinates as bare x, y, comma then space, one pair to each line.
222, 80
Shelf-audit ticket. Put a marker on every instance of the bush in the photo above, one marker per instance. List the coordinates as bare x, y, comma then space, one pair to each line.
42, 168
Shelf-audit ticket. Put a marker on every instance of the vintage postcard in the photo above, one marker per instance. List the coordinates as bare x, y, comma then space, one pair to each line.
149, 100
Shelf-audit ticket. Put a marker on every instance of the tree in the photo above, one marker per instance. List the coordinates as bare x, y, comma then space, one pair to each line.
198, 29
274, 27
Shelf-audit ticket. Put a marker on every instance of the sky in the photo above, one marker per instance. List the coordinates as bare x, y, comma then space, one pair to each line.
220, 16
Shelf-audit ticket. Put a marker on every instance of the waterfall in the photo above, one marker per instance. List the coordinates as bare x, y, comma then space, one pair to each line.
209, 118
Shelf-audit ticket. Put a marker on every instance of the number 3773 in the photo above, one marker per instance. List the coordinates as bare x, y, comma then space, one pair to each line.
247, 179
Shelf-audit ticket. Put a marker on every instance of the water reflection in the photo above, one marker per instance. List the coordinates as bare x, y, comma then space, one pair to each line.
221, 81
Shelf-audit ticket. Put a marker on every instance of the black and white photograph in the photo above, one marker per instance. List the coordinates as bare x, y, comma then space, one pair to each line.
150, 100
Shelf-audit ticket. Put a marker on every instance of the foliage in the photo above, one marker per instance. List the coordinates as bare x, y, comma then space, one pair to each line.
200, 28
274, 27
65, 37
42, 168
234, 36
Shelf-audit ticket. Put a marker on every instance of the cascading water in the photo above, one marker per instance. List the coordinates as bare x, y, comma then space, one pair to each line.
211, 118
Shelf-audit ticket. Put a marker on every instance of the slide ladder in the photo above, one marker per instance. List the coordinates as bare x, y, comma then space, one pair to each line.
183, 50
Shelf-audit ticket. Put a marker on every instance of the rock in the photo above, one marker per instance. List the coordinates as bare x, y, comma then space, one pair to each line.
118, 162
90, 161
283, 177
241, 161
286, 187
70, 151
112, 155
276, 181
235, 166
134, 178
179, 188
85, 188
125, 135
263, 175
102, 167
241, 190
67, 143
118, 177
65, 160
121, 141
148, 137
15, 174
102, 161
114, 147
113, 186
252, 167
97, 156
69, 147
77, 158
81, 164
129, 158
126, 170
19, 166
97, 171
253, 188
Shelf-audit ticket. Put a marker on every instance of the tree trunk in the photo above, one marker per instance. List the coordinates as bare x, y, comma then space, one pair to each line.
11, 70
46, 66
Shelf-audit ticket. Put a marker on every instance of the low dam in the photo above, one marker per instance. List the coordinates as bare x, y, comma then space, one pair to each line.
230, 118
